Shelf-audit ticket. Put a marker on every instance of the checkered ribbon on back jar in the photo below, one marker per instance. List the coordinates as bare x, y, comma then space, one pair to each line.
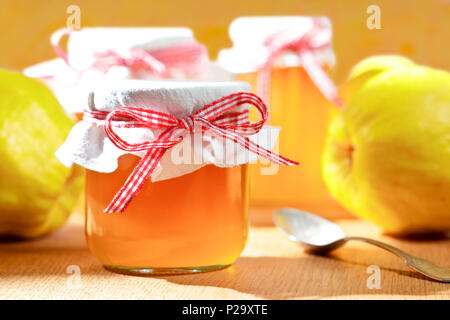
316, 38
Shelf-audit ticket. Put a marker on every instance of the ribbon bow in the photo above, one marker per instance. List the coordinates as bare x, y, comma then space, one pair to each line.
188, 55
134, 59
214, 117
317, 37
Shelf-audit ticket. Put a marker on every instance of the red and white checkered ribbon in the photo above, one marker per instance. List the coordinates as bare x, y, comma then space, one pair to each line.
317, 37
189, 56
215, 118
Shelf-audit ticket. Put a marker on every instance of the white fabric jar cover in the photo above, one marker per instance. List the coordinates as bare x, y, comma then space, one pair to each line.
71, 81
249, 35
88, 145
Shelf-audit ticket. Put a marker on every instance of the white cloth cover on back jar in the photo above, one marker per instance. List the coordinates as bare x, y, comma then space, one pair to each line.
249, 35
88, 145
71, 81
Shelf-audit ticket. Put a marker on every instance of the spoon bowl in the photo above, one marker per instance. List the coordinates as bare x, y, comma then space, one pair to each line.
318, 235
314, 233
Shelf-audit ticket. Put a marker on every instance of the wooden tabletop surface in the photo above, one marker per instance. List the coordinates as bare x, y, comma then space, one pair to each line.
60, 266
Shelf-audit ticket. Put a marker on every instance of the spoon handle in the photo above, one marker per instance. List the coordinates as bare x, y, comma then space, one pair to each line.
423, 266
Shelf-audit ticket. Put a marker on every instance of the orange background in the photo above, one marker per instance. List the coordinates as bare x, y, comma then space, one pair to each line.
416, 28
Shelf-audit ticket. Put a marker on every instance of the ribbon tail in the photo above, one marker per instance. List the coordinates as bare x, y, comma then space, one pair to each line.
155, 64
150, 61
135, 181
320, 78
250, 145
56, 38
265, 153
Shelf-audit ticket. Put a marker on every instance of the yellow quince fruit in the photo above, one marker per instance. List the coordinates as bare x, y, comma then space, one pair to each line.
387, 155
37, 193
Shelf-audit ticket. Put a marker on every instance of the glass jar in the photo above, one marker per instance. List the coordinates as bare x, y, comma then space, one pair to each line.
186, 208
171, 226
296, 105
98, 54
295, 102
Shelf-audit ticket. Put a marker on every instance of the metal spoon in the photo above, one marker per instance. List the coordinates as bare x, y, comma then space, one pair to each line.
319, 235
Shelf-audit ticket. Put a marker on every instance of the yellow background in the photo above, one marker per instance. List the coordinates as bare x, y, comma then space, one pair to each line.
418, 29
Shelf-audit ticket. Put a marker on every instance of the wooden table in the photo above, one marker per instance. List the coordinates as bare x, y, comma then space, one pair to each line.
271, 267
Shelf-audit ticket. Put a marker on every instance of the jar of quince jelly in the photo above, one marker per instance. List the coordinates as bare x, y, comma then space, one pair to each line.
191, 214
101, 53
279, 57
175, 225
